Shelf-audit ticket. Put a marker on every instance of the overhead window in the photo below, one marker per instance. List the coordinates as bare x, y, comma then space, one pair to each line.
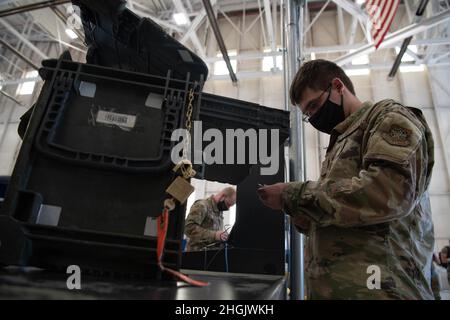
27, 87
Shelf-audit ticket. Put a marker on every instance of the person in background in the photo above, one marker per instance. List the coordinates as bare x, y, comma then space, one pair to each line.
204, 224
445, 256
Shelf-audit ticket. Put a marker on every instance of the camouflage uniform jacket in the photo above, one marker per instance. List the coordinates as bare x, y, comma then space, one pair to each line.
203, 221
370, 207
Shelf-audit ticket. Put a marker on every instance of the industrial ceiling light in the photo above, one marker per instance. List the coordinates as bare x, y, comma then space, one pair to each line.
180, 18
71, 34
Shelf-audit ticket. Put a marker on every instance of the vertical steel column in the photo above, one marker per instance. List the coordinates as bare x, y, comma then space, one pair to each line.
294, 39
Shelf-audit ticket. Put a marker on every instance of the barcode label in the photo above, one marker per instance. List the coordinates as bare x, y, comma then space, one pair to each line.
122, 120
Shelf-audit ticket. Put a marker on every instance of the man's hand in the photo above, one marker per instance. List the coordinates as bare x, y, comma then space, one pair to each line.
302, 223
221, 236
271, 195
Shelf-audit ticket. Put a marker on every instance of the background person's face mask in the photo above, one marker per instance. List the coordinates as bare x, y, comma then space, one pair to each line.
328, 116
222, 206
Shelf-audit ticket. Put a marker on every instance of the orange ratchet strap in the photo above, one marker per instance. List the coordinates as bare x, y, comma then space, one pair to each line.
163, 223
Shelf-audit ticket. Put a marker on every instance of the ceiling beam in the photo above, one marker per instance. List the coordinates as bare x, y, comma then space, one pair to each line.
269, 24
19, 54
11, 29
163, 23
195, 24
179, 7
397, 36
325, 49
353, 9
316, 17
341, 26
31, 7
250, 74
354, 26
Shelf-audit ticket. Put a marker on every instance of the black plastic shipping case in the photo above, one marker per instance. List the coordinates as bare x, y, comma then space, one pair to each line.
91, 175
223, 113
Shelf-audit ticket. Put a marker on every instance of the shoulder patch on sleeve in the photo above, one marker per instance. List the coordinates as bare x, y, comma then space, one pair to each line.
398, 136
394, 139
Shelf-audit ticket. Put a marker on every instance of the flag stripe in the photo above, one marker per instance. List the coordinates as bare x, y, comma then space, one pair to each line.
381, 14
374, 15
388, 17
370, 4
388, 21
383, 18
388, 25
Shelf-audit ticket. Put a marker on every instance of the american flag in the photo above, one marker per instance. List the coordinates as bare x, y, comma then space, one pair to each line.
381, 14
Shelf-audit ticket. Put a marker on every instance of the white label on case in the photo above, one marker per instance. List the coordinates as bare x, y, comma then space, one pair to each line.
121, 120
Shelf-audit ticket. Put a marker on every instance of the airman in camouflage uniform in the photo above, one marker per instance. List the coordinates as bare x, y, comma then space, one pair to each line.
204, 224
370, 207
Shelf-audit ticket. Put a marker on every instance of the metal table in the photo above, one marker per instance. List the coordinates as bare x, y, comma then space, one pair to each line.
33, 283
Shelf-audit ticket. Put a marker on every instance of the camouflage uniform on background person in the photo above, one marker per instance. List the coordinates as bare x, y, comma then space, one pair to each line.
445, 256
201, 225
370, 205
445, 259
204, 224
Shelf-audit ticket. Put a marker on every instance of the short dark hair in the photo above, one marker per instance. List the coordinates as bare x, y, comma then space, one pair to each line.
317, 75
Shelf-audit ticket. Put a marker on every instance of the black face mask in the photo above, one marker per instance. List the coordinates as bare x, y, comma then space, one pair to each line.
222, 206
328, 116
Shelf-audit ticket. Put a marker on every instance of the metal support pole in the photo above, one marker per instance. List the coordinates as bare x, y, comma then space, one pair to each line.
10, 97
398, 60
270, 29
294, 35
215, 26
